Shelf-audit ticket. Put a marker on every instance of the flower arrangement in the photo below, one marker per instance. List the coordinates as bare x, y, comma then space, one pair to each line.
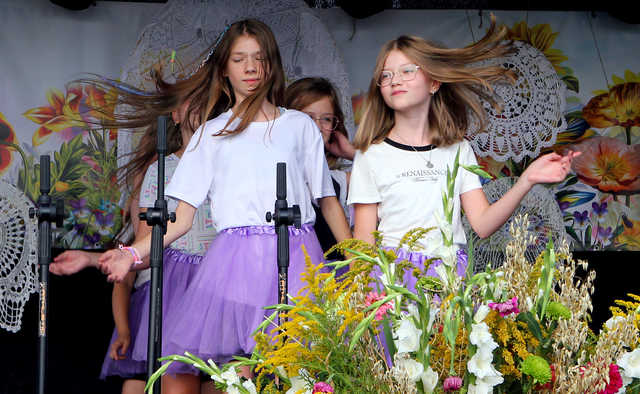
517, 329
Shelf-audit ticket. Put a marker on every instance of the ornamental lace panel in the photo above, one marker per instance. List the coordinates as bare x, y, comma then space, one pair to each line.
532, 109
544, 216
18, 255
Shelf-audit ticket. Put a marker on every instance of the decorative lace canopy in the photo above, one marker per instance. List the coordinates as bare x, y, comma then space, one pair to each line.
532, 110
18, 255
190, 27
544, 216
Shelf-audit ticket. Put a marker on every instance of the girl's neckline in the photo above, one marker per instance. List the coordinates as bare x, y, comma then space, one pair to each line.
398, 145
281, 111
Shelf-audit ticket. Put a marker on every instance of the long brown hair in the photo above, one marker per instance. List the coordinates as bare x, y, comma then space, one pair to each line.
306, 91
456, 101
208, 92
216, 94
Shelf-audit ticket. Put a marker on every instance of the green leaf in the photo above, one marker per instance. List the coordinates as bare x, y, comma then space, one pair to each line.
587, 238
476, 169
388, 336
572, 83
157, 374
532, 323
617, 231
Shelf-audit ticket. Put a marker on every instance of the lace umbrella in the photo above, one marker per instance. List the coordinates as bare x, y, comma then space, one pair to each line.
18, 255
189, 28
532, 109
544, 217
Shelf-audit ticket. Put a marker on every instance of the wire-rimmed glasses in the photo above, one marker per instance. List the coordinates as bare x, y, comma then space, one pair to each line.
406, 72
327, 122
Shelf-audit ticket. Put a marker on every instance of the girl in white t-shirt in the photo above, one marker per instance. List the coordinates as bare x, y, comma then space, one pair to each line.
318, 98
420, 102
232, 160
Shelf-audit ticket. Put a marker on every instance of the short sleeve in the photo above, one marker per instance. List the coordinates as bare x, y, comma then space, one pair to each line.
363, 188
149, 187
194, 175
469, 180
316, 169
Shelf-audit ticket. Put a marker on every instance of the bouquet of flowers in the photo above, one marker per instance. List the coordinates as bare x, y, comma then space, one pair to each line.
517, 329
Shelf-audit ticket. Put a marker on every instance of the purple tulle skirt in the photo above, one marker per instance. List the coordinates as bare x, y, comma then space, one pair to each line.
418, 259
225, 303
410, 281
178, 270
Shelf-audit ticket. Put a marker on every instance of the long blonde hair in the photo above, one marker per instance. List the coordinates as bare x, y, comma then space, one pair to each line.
457, 99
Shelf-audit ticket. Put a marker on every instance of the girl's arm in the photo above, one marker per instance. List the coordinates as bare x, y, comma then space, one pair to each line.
334, 216
116, 263
485, 218
366, 221
71, 261
120, 307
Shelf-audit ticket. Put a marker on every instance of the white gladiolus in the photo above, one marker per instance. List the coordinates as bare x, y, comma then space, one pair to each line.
250, 387
409, 367
480, 334
230, 376
481, 365
481, 313
429, 380
407, 336
630, 363
614, 322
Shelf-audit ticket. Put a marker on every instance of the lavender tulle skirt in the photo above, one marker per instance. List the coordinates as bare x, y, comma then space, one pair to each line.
418, 259
410, 281
224, 304
178, 270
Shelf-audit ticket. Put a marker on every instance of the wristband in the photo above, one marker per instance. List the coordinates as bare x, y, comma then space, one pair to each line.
134, 252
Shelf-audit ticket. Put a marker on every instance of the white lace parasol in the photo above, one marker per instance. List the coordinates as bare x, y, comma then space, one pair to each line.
189, 28
532, 110
544, 216
18, 255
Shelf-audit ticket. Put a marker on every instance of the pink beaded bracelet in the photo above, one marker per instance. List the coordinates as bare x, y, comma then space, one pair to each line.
134, 253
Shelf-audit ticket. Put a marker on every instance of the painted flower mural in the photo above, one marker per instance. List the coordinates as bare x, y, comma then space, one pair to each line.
608, 165
83, 168
620, 106
7, 143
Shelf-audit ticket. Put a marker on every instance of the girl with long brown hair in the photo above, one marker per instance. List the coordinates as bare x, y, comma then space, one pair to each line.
318, 98
232, 160
421, 100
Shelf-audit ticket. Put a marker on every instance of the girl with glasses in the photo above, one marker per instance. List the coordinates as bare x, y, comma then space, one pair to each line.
420, 102
318, 98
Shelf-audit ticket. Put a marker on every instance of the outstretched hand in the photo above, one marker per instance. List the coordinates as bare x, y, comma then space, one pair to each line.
549, 168
340, 146
72, 261
115, 263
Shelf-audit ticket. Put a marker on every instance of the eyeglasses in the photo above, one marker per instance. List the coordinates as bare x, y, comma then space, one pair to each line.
327, 122
407, 73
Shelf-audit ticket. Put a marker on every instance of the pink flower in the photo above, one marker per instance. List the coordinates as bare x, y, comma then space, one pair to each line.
322, 388
505, 308
452, 383
374, 297
615, 381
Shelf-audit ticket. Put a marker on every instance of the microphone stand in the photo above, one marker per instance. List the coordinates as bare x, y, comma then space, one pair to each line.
283, 217
157, 217
48, 211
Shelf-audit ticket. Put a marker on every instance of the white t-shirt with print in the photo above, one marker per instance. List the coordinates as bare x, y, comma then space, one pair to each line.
238, 172
407, 191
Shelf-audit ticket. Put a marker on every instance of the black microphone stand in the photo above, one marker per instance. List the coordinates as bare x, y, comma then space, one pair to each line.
283, 217
48, 211
157, 217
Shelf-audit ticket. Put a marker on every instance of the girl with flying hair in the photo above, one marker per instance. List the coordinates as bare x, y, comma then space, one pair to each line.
238, 94
421, 100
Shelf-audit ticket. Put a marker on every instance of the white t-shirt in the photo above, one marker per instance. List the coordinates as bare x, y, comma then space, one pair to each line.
202, 232
238, 172
407, 191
